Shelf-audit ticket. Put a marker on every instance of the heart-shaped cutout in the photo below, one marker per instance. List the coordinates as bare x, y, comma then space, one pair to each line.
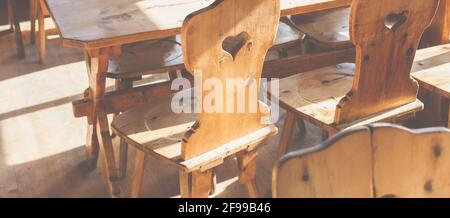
233, 44
395, 20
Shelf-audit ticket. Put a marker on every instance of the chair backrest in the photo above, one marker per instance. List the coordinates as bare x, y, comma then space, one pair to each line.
386, 34
381, 160
228, 39
337, 168
439, 31
411, 164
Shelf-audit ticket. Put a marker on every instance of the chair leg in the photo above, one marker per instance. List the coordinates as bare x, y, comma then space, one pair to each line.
107, 152
301, 126
121, 84
247, 171
139, 166
310, 47
41, 32
196, 184
201, 183
185, 191
10, 11
213, 182
325, 135
92, 146
286, 134
173, 75
33, 21
17, 30
123, 158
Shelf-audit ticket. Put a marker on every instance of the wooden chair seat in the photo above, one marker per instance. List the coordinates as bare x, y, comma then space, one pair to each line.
314, 96
287, 36
149, 57
165, 55
156, 130
432, 69
329, 28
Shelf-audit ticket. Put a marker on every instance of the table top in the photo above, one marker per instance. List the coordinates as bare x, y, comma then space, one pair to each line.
98, 23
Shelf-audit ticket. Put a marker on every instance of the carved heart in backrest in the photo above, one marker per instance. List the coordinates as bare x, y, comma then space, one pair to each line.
395, 20
233, 44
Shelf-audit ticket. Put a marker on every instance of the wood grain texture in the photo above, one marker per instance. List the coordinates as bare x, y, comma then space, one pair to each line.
201, 184
328, 28
139, 167
316, 93
247, 167
42, 11
432, 69
156, 130
386, 39
128, 21
286, 134
165, 55
411, 164
439, 31
341, 167
33, 15
256, 21
380, 160
148, 57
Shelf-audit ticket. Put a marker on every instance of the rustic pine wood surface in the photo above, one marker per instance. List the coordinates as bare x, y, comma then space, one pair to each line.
42, 150
42, 145
121, 22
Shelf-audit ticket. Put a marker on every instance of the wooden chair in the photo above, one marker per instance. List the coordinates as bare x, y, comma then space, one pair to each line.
432, 70
394, 161
378, 88
329, 29
165, 55
198, 143
326, 29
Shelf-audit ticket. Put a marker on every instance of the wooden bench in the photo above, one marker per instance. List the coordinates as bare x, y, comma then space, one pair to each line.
392, 160
197, 143
378, 87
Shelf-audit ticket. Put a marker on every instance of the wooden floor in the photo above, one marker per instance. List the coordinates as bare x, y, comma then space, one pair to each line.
42, 145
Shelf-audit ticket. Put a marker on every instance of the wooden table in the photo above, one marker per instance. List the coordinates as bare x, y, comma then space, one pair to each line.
100, 27
94, 24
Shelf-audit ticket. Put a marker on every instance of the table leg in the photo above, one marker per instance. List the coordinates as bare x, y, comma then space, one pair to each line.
33, 11
10, 11
17, 30
97, 64
92, 147
41, 31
